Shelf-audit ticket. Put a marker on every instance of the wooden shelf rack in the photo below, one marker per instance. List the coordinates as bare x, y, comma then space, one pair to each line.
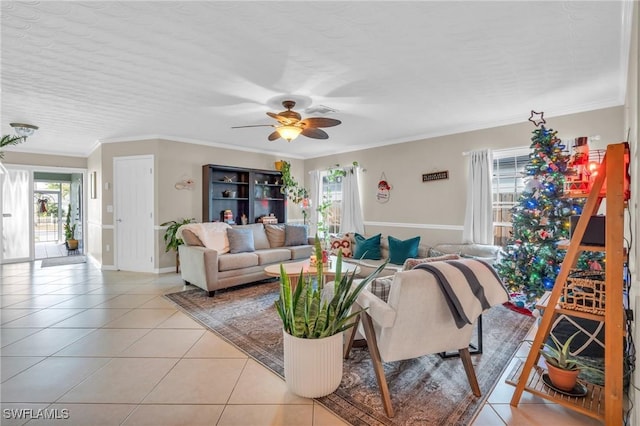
601, 402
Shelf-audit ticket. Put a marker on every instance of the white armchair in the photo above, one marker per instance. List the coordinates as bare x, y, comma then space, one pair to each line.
415, 321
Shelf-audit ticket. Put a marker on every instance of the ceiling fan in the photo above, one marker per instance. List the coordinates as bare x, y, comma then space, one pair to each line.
291, 124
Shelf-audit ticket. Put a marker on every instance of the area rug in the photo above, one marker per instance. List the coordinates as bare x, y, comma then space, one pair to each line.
66, 260
425, 391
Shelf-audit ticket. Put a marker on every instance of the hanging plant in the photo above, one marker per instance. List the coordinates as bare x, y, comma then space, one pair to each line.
8, 140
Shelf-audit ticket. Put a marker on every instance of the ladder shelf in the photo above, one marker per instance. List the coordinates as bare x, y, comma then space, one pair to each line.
601, 402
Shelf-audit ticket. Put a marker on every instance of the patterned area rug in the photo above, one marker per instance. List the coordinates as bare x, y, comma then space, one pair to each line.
66, 260
425, 391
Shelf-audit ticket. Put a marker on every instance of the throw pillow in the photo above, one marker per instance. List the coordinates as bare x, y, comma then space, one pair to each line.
295, 235
260, 240
213, 235
367, 248
401, 250
381, 287
275, 234
341, 243
240, 240
190, 238
412, 263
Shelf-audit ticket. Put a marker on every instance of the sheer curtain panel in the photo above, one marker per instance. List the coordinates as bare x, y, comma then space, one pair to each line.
351, 220
478, 221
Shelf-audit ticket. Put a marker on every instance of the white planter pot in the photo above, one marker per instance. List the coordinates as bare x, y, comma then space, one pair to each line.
312, 367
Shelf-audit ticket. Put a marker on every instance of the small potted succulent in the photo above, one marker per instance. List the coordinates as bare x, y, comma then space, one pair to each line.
562, 366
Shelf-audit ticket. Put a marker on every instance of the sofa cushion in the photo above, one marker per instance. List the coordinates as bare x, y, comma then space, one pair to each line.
213, 235
268, 256
367, 248
341, 243
240, 240
260, 240
412, 263
300, 252
295, 235
275, 235
237, 261
401, 250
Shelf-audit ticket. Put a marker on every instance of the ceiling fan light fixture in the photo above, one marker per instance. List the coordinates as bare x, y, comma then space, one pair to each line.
289, 132
23, 130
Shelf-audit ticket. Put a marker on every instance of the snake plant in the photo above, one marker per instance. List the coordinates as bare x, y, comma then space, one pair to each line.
308, 313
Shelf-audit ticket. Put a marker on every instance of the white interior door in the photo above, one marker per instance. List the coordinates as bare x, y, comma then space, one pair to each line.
133, 213
15, 205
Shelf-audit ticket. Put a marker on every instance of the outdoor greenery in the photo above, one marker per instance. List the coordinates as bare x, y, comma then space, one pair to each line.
310, 312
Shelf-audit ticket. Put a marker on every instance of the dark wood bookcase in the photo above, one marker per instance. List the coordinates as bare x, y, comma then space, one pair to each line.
252, 192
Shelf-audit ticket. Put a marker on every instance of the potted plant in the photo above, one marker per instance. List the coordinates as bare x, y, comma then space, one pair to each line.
70, 232
171, 240
563, 368
314, 319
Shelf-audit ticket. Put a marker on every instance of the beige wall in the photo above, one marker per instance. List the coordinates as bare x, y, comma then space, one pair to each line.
94, 207
173, 162
12, 157
418, 208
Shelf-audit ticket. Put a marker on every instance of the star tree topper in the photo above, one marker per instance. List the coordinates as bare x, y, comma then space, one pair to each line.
537, 118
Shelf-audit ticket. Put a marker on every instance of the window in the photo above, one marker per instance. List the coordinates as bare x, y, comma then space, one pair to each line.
331, 199
508, 183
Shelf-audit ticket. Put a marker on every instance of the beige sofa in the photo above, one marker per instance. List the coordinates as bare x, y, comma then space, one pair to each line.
487, 253
212, 269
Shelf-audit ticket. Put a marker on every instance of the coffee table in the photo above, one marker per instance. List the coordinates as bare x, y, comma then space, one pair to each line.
293, 269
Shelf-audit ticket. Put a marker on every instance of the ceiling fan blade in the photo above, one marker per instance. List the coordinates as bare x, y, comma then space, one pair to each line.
253, 125
320, 122
273, 136
281, 119
312, 132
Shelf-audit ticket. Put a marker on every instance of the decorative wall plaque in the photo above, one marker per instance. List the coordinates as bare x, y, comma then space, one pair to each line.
429, 177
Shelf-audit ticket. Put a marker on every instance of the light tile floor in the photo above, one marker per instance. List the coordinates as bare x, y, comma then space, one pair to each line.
105, 348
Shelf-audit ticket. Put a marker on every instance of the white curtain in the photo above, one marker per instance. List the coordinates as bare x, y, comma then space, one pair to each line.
478, 221
315, 194
351, 220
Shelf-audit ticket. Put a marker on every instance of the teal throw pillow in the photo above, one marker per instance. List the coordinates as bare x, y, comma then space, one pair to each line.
367, 248
400, 250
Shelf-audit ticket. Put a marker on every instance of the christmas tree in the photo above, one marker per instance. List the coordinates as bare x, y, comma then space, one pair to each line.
531, 260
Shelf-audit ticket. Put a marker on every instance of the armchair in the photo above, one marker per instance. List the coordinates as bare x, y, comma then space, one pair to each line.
417, 320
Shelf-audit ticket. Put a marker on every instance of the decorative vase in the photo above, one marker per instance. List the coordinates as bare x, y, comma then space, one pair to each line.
562, 379
312, 367
278, 165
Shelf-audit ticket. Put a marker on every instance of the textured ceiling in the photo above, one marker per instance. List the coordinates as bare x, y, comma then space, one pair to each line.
92, 72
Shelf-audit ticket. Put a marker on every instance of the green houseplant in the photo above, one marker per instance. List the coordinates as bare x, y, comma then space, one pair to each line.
314, 318
171, 240
8, 140
70, 232
562, 366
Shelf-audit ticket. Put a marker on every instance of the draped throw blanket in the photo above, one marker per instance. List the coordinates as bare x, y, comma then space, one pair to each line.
469, 286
